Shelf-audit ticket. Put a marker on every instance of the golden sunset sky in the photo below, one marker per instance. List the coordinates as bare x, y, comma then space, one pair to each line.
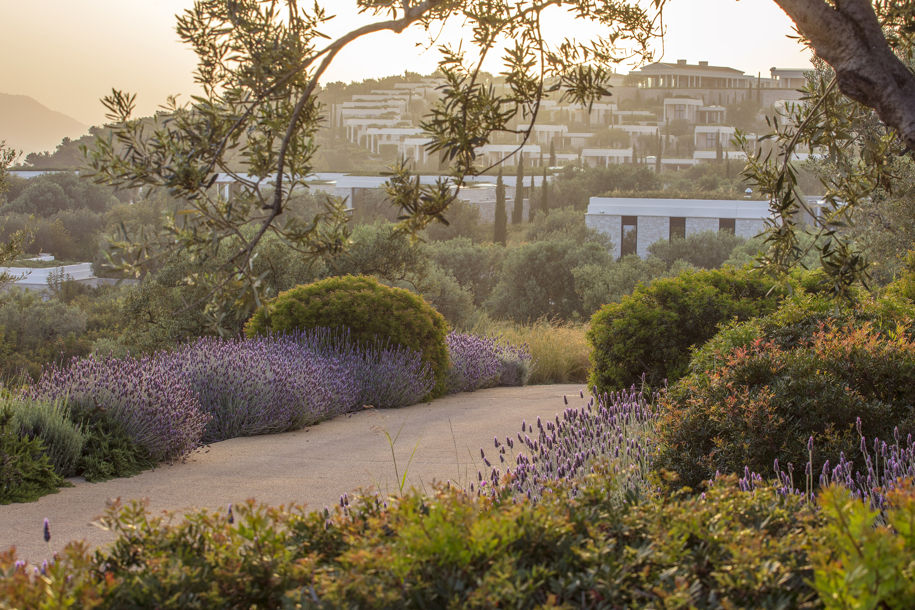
69, 53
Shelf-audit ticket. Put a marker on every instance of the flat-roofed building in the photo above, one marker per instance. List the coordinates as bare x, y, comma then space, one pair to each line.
682, 109
605, 157
634, 224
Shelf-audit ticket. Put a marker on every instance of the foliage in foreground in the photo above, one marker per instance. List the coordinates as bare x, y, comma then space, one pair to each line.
449, 550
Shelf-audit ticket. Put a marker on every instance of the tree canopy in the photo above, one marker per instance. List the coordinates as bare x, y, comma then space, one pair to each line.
260, 65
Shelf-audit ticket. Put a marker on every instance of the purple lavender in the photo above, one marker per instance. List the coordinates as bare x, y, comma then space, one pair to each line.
144, 396
484, 362
885, 467
618, 428
284, 382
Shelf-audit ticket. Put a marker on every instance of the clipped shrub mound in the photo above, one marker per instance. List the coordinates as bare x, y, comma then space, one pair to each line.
370, 311
766, 401
652, 330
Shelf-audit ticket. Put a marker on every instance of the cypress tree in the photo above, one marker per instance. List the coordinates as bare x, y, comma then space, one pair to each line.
544, 194
531, 205
553, 153
518, 210
500, 226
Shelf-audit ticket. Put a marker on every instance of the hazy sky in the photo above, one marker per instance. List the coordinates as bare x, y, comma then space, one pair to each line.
69, 53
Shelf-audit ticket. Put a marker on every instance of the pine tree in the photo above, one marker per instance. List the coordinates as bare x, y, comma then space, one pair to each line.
500, 228
518, 210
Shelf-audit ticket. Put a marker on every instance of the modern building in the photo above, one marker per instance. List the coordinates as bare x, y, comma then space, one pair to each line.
39, 278
634, 224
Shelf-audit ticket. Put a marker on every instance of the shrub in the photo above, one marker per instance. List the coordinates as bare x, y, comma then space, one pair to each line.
537, 280
50, 422
707, 250
260, 386
25, 471
652, 330
724, 548
862, 562
370, 311
108, 452
767, 401
146, 400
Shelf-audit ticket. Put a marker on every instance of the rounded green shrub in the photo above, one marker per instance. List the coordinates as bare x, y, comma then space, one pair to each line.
763, 401
368, 309
652, 331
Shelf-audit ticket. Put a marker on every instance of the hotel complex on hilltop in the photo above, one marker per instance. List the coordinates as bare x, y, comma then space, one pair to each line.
679, 111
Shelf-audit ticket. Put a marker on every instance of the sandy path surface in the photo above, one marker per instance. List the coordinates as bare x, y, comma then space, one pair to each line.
315, 465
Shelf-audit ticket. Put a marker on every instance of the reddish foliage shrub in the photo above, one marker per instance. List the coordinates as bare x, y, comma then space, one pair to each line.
767, 400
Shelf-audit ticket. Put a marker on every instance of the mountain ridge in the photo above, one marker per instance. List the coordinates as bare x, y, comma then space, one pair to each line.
29, 126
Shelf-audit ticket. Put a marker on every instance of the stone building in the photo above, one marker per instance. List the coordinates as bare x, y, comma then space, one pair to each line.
635, 224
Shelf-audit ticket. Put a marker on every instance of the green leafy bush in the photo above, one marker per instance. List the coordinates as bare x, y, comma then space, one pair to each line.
370, 310
50, 422
653, 330
706, 250
865, 560
26, 474
725, 548
108, 452
766, 401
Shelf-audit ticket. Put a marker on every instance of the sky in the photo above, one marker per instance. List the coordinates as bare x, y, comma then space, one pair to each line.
67, 54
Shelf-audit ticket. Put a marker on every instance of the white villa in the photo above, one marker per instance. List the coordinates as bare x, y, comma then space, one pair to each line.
645, 221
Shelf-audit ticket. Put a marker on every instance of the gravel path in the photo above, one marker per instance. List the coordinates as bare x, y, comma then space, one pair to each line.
315, 465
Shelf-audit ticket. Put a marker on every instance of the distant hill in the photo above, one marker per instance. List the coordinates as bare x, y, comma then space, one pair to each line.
29, 126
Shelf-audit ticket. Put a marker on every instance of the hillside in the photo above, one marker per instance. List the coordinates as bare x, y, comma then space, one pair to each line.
29, 126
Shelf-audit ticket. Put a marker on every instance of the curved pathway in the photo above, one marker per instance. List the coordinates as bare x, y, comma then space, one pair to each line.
314, 465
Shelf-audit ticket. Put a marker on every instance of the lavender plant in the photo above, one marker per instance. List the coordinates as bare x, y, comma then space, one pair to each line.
885, 468
474, 363
276, 383
145, 396
484, 362
617, 428
259, 386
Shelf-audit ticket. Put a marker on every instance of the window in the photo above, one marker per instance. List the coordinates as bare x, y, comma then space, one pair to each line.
726, 224
629, 233
677, 228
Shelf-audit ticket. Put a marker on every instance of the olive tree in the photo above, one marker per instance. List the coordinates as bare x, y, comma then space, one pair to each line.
260, 67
